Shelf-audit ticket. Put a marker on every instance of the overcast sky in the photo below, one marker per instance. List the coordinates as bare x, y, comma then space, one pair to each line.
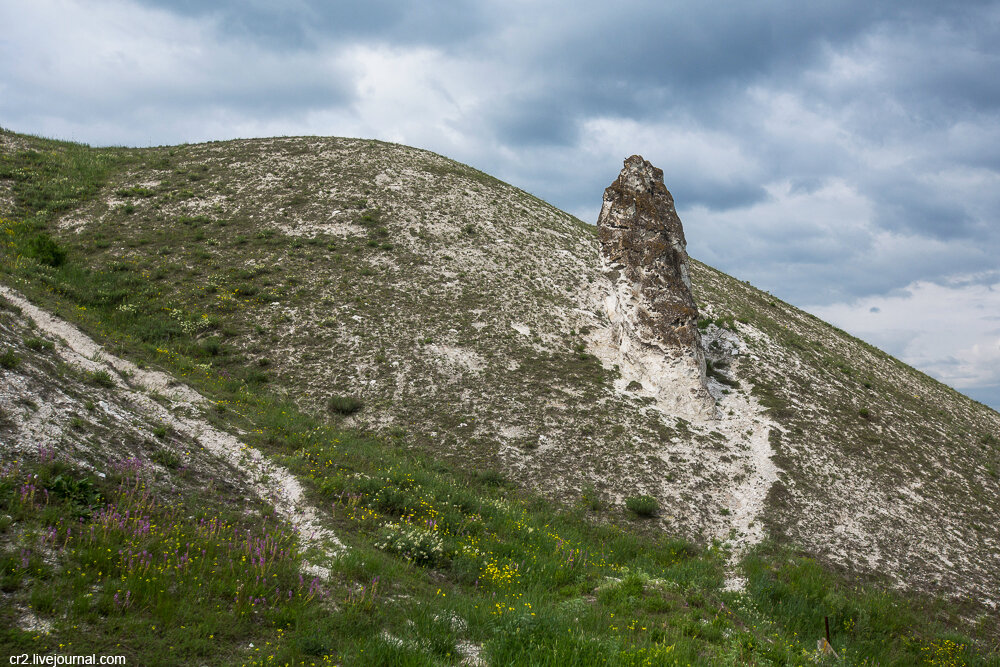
843, 155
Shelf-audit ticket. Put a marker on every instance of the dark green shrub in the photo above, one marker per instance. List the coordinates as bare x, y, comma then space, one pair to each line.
166, 458
491, 478
644, 506
38, 344
102, 379
45, 250
80, 493
8, 359
254, 376
344, 405
714, 371
211, 346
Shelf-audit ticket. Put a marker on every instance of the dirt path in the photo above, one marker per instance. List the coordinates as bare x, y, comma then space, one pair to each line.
269, 481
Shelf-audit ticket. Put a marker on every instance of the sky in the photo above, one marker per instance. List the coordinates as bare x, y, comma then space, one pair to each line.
843, 155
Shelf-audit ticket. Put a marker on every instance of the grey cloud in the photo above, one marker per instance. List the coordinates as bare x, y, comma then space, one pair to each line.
533, 121
304, 24
718, 196
909, 206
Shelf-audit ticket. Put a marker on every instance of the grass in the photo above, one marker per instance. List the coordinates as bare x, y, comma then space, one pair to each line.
644, 506
439, 556
106, 553
8, 359
37, 344
344, 405
102, 378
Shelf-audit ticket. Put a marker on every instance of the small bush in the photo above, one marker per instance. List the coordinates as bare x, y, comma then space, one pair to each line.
254, 376
38, 344
415, 544
8, 359
865, 413
345, 405
491, 478
591, 499
136, 191
314, 645
46, 251
644, 506
166, 458
714, 371
211, 347
102, 379
81, 493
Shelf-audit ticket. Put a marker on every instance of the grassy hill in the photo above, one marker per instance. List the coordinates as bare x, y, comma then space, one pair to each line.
422, 347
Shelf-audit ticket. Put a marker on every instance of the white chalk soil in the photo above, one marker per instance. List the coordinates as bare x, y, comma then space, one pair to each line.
263, 477
678, 388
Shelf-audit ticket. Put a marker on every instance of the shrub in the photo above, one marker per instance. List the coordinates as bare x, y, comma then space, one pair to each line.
591, 499
102, 379
491, 477
254, 376
644, 506
865, 413
166, 458
38, 344
8, 359
714, 371
211, 346
345, 405
417, 545
46, 251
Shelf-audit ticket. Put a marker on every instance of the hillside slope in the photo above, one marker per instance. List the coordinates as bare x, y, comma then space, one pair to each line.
467, 318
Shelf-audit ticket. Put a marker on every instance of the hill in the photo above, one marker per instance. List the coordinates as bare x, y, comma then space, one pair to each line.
440, 321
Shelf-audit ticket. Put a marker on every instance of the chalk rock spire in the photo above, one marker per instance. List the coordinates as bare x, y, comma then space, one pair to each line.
653, 313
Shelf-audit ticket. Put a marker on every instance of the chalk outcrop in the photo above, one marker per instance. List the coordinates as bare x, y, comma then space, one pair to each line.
652, 311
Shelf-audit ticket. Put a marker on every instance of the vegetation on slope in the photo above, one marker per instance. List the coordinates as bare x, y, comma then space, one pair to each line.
442, 564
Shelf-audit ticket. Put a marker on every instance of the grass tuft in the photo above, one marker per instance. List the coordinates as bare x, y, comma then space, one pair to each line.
644, 506
344, 405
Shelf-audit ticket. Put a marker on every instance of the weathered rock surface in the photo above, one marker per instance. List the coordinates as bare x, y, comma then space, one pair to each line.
654, 316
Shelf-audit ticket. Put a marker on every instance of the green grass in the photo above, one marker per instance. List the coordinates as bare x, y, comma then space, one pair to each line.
102, 378
107, 554
344, 405
644, 506
37, 344
8, 359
